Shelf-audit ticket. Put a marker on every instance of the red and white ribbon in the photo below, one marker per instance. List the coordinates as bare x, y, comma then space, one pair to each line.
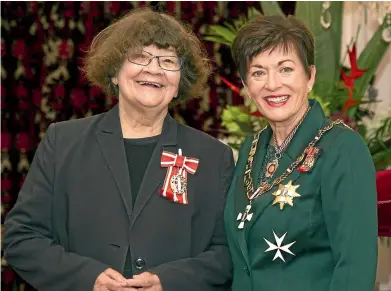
177, 165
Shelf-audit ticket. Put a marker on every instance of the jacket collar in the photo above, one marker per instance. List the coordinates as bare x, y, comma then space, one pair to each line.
111, 124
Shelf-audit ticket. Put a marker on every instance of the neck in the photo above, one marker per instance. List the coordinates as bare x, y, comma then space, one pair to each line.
282, 129
139, 124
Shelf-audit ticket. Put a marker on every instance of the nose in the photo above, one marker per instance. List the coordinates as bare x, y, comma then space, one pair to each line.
153, 66
273, 81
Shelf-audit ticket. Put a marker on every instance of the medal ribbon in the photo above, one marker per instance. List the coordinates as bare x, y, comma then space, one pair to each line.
177, 165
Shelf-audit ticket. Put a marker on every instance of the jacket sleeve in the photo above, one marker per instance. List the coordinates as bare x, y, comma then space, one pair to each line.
349, 202
212, 269
29, 245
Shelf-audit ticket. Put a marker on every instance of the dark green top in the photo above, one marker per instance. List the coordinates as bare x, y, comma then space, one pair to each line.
138, 153
333, 225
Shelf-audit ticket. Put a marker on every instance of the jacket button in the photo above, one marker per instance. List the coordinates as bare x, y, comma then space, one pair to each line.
247, 271
139, 263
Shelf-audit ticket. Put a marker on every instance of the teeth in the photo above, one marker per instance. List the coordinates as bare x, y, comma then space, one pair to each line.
277, 99
150, 83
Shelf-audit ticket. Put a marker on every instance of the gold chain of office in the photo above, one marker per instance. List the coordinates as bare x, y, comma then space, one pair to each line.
264, 187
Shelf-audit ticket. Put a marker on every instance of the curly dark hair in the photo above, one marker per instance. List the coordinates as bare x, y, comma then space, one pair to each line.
143, 27
271, 32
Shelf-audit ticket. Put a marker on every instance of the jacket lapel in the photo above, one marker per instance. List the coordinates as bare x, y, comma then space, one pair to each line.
240, 196
111, 143
155, 174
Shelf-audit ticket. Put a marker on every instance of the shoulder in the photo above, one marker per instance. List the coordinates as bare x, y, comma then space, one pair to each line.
344, 146
342, 137
64, 131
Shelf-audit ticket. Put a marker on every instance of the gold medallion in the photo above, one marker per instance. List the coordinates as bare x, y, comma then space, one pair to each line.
271, 168
285, 194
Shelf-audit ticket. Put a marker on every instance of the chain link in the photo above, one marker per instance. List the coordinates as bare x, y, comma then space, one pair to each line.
265, 187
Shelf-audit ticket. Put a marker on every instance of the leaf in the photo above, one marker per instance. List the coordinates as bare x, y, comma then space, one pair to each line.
325, 54
220, 34
370, 59
271, 8
253, 13
217, 39
231, 27
336, 9
222, 31
379, 157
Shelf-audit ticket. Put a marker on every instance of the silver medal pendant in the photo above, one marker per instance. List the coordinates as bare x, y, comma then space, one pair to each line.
178, 184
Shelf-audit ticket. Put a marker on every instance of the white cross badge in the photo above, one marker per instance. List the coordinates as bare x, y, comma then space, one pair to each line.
279, 247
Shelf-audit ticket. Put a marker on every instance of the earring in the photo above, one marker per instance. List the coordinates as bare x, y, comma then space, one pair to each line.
309, 89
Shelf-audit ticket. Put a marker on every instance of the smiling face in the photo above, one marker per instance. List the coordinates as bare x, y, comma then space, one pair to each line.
148, 87
279, 85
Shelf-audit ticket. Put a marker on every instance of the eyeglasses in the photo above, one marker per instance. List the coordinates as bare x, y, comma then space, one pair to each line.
167, 63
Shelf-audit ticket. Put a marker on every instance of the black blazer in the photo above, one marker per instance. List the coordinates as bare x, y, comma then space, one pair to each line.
74, 216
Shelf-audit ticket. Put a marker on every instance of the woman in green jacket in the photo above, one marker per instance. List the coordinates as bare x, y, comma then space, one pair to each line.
301, 210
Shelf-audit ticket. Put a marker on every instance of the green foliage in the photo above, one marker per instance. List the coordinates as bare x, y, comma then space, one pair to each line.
237, 120
225, 34
370, 59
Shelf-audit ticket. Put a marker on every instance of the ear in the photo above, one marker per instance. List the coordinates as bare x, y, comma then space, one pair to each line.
311, 81
114, 80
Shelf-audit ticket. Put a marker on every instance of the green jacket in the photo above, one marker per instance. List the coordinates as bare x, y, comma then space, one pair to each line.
332, 225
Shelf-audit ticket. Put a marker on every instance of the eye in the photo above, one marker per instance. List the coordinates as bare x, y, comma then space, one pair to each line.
258, 74
286, 70
168, 60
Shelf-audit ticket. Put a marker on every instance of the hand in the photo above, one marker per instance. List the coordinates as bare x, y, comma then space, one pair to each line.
145, 282
109, 280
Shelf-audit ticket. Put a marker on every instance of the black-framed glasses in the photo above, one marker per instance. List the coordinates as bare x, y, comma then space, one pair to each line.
167, 63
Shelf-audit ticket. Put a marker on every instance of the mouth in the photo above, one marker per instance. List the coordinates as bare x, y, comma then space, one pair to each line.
276, 100
150, 84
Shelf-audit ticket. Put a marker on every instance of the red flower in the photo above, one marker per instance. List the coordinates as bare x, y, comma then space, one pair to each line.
349, 103
355, 73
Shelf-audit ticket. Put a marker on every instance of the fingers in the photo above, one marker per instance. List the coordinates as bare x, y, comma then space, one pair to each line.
144, 280
109, 280
113, 274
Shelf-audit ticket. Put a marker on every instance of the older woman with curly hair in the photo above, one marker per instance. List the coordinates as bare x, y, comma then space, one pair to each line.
128, 199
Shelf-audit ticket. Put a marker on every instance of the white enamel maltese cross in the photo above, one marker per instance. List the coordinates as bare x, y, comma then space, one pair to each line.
279, 247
